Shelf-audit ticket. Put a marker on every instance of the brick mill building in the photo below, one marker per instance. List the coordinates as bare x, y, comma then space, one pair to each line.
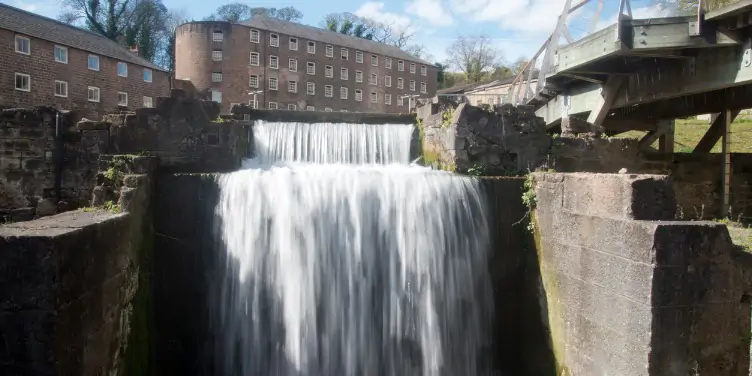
297, 67
49, 63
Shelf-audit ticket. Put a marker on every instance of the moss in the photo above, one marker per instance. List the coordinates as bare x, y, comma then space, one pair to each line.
446, 118
112, 207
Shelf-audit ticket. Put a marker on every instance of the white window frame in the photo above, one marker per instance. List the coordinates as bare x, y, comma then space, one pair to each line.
423, 88
374, 60
125, 68
252, 104
292, 107
255, 36
274, 107
311, 47
359, 57
89, 60
310, 88
388, 62
423, 70
273, 62
219, 95
311, 68
218, 36
293, 43
250, 59
292, 65
328, 71
400, 101
93, 89
62, 84
20, 38
28, 82
344, 74
412, 68
387, 98
358, 76
310, 108
400, 65
374, 97
412, 85
217, 55
64, 51
344, 53
273, 83
388, 81
358, 95
292, 86
251, 79
273, 40
328, 91
148, 102
327, 109
343, 92
122, 103
373, 79
400, 83
329, 50
216, 77
150, 74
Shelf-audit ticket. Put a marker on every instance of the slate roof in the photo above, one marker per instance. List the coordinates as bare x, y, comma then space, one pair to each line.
34, 25
330, 37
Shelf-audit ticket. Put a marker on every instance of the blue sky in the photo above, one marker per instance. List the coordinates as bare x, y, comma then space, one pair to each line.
517, 27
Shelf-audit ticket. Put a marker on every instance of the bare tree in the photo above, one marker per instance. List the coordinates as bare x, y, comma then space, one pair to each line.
237, 12
684, 6
361, 27
518, 65
475, 56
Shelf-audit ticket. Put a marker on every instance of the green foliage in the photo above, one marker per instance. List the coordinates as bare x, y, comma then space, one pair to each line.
237, 12
476, 170
446, 118
112, 207
528, 198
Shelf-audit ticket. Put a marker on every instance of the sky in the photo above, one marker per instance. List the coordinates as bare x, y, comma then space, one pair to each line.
517, 27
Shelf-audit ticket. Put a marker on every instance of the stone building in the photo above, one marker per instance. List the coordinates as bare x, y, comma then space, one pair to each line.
297, 67
494, 92
46, 62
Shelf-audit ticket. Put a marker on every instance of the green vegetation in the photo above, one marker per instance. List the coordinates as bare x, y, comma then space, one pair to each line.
476, 170
528, 198
689, 132
740, 233
446, 118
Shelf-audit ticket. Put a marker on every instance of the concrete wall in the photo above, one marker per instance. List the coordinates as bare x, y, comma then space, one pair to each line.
630, 294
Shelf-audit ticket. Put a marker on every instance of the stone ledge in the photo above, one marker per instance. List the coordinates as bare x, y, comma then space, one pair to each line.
59, 224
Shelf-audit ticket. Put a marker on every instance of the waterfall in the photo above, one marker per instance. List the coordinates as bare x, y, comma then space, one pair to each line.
343, 260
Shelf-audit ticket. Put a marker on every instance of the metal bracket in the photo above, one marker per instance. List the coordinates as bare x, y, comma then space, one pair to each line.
694, 28
747, 58
691, 65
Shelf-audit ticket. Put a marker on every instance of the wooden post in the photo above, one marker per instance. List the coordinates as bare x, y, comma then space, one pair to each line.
726, 162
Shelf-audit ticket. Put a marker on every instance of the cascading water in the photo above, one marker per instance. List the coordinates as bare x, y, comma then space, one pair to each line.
342, 259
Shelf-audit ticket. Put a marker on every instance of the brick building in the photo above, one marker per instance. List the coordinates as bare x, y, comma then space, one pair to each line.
46, 62
297, 67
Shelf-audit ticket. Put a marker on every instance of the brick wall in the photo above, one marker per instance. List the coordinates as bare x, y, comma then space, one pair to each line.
41, 66
193, 50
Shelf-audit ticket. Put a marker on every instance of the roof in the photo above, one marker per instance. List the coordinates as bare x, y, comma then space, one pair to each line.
34, 25
465, 88
326, 36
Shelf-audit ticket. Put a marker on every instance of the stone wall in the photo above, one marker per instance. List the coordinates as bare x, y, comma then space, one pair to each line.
630, 294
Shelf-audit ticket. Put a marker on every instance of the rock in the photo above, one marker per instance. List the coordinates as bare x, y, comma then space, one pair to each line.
126, 198
22, 214
623, 171
98, 196
46, 207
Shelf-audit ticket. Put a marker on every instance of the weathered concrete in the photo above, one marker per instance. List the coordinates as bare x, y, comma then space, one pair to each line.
324, 117
629, 294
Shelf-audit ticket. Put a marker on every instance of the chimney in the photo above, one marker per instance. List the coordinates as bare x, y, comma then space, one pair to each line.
134, 49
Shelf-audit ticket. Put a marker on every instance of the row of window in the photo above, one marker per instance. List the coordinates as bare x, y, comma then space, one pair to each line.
218, 36
23, 46
328, 92
253, 81
275, 106
23, 83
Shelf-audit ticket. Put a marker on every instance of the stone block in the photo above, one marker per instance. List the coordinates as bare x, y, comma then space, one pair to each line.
46, 207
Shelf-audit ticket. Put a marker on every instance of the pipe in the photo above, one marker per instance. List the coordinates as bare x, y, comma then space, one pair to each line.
58, 157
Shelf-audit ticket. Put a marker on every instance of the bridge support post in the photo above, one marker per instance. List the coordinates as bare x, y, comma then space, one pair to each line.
727, 117
664, 131
609, 92
714, 133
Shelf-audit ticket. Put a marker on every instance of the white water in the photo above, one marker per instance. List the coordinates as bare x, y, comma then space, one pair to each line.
349, 269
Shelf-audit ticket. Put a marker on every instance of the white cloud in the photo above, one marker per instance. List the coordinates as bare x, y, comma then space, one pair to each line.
375, 11
432, 11
652, 11
47, 8
529, 16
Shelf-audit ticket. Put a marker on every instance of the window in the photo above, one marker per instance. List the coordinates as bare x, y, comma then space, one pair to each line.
358, 76
401, 66
327, 109
147, 75
387, 98
217, 77
23, 45
412, 68
343, 53
216, 96
253, 80
292, 86
358, 57
373, 79
122, 99
343, 93
122, 69
343, 74
423, 87
93, 94
273, 62
400, 101
217, 36
412, 85
400, 83
61, 54
217, 55
374, 60
272, 83
328, 91
309, 108
93, 62
374, 98
310, 88
23, 82
254, 58
293, 44
292, 107
273, 105
388, 81
329, 51
358, 95
61, 89
148, 102
342, 110
247, 117
292, 64
255, 36
423, 70
311, 47
274, 40
329, 71
252, 104
388, 62
311, 68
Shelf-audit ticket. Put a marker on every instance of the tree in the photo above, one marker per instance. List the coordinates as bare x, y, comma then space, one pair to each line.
475, 56
518, 65
440, 69
175, 19
395, 35
350, 24
683, 6
237, 12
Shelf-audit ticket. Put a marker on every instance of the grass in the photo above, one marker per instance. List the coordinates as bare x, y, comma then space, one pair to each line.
741, 235
689, 132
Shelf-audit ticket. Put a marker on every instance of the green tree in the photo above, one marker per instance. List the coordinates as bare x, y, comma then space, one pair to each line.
440, 68
475, 56
683, 6
237, 12
350, 24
